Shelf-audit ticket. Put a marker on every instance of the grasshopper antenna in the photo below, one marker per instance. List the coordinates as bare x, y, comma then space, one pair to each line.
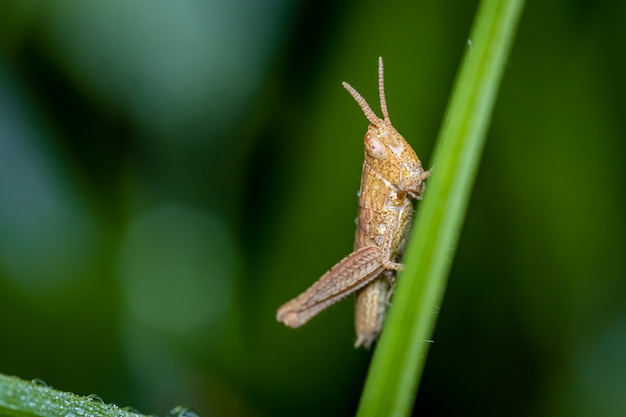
381, 89
369, 113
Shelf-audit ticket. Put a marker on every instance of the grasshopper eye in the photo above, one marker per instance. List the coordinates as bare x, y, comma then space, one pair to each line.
374, 147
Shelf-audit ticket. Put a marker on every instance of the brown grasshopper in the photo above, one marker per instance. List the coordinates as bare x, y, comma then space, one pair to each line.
392, 176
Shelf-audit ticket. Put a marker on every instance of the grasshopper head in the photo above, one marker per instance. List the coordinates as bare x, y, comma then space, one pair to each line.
386, 151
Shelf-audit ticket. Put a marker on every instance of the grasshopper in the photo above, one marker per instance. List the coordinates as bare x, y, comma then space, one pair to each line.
392, 176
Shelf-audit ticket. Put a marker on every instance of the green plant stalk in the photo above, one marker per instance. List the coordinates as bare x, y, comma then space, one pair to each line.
398, 362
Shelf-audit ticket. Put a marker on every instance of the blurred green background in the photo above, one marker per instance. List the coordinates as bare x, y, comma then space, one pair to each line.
173, 171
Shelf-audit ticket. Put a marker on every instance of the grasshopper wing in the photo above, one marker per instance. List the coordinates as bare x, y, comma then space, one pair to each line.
349, 275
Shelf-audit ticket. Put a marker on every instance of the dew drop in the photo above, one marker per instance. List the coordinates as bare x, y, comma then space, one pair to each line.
96, 398
182, 411
39, 382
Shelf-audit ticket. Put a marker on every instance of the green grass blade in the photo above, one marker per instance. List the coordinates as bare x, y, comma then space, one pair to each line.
19, 398
399, 358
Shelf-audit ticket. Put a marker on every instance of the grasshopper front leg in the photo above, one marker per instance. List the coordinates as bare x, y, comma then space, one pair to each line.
349, 275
